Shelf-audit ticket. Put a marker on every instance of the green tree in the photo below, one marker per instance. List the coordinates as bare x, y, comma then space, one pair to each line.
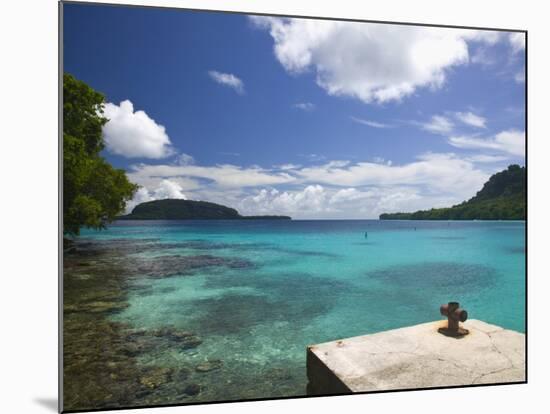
94, 192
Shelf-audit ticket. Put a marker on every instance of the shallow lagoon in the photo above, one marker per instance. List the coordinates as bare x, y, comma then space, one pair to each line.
257, 293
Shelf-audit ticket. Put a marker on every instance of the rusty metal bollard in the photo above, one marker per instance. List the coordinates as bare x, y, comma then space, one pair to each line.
454, 315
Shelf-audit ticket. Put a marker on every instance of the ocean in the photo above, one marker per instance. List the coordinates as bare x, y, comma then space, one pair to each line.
257, 292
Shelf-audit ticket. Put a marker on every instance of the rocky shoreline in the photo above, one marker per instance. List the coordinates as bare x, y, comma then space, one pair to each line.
109, 362
102, 367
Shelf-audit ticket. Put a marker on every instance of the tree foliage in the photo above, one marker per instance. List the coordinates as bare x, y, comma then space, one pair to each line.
503, 197
94, 192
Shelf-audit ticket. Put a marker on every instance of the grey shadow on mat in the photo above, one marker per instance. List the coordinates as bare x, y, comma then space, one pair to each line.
49, 403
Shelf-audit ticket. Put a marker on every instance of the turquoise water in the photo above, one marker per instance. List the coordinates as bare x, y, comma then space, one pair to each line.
303, 282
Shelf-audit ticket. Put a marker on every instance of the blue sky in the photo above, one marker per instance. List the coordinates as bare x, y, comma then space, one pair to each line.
315, 119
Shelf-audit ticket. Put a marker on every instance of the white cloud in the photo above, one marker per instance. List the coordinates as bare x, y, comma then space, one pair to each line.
442, 124
471, 119
487, 158
372, 124
489, 37
517, 42
440, 173
228, 79
337, 163
184, 159
141, 196
510, 141
310, 201
484, 56
332, 189
381, 160
346, 195
288, 166
168, 189
304, 106
314, 157
165, 189
226, 175
377, 200
324, 202
133, 134
445, 172
368, 61
438, 124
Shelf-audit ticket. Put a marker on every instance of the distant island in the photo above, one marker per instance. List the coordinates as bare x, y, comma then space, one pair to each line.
503, 197
176, 209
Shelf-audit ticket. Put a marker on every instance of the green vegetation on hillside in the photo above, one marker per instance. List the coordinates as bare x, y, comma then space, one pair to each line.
94, 192
174, 209
503, 197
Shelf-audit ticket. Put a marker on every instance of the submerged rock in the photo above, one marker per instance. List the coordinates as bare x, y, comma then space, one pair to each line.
134, 348
104, 306
173, 265
187, 339
135, 333
181, 374
182, 334
70, 308
209, 365
191, 342
162, 332
192, 389
156, 377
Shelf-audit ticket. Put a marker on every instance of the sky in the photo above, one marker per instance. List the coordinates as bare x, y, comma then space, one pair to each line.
315, 119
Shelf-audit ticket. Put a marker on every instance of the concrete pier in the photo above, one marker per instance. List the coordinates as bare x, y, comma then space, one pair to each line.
417, 357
